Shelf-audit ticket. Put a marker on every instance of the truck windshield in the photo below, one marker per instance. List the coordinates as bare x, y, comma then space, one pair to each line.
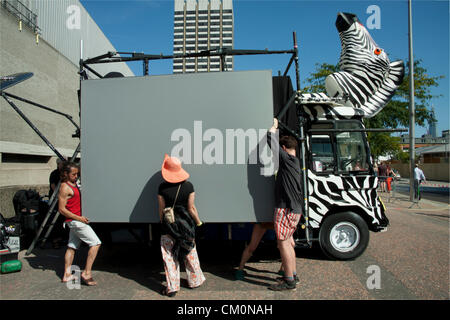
343, 152
351, 150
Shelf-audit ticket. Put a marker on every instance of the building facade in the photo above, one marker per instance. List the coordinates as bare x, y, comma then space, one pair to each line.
46, 38
201, 25
425, 140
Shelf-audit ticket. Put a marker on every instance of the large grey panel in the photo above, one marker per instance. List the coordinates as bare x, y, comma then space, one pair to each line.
128, 124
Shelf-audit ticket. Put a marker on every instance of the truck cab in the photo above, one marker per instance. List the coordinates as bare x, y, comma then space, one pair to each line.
342, 204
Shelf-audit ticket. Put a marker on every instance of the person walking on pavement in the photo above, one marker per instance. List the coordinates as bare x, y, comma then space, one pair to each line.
390, 177
382, 175
288, 204
69, 205
178, 236
419, 177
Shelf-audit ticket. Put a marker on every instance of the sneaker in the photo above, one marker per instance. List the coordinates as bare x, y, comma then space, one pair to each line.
296, 279
283, 285
239, 274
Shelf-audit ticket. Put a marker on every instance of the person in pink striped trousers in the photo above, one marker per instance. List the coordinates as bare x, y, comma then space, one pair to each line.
178, 243
288, 204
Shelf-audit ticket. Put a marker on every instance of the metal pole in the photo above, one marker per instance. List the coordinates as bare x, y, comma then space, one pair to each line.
302, 124
297, 74
411, 106
69, 117
32, 126
52, 202
145, 67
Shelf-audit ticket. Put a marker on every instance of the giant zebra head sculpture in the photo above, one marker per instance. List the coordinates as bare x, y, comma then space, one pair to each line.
367, 80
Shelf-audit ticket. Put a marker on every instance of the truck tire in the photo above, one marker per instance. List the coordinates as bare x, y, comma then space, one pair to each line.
344, 236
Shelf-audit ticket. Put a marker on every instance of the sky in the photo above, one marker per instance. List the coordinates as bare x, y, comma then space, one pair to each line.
147, 26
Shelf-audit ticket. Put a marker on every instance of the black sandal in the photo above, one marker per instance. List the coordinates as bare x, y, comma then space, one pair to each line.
165, 293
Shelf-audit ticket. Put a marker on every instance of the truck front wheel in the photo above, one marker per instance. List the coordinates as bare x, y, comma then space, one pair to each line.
344, 236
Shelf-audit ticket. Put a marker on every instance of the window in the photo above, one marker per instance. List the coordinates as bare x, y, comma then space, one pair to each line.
322, 153
341, 151
351, 150
24, 158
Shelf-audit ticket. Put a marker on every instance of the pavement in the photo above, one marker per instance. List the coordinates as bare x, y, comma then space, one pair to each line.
133, 271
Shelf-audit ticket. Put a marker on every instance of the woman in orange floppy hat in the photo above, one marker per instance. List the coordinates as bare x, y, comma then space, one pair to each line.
177, 238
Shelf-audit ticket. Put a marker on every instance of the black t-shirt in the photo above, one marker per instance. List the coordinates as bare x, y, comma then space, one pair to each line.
55, 176
169, 190
288, 187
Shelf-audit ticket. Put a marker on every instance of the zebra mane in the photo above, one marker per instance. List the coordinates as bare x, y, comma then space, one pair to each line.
366, 82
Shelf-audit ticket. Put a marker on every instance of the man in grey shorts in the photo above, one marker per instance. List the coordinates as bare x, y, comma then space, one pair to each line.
69, 205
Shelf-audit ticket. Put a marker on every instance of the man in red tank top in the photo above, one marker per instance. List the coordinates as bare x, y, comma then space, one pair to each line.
69, 205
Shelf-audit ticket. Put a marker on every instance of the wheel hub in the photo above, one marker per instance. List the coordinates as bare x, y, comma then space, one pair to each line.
344, 236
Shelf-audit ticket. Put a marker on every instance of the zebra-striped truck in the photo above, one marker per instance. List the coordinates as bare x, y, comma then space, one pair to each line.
342, 204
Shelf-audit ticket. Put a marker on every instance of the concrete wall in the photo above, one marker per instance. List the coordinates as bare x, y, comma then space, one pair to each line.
64, 23
432, 171
54, 84
53, 61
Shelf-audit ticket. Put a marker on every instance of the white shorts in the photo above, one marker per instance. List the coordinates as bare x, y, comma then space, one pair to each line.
80, 231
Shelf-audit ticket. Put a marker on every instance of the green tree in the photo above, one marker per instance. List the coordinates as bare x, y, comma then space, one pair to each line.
396, 113
316, 81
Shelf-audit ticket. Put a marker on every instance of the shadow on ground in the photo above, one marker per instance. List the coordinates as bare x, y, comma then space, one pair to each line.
143, 263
